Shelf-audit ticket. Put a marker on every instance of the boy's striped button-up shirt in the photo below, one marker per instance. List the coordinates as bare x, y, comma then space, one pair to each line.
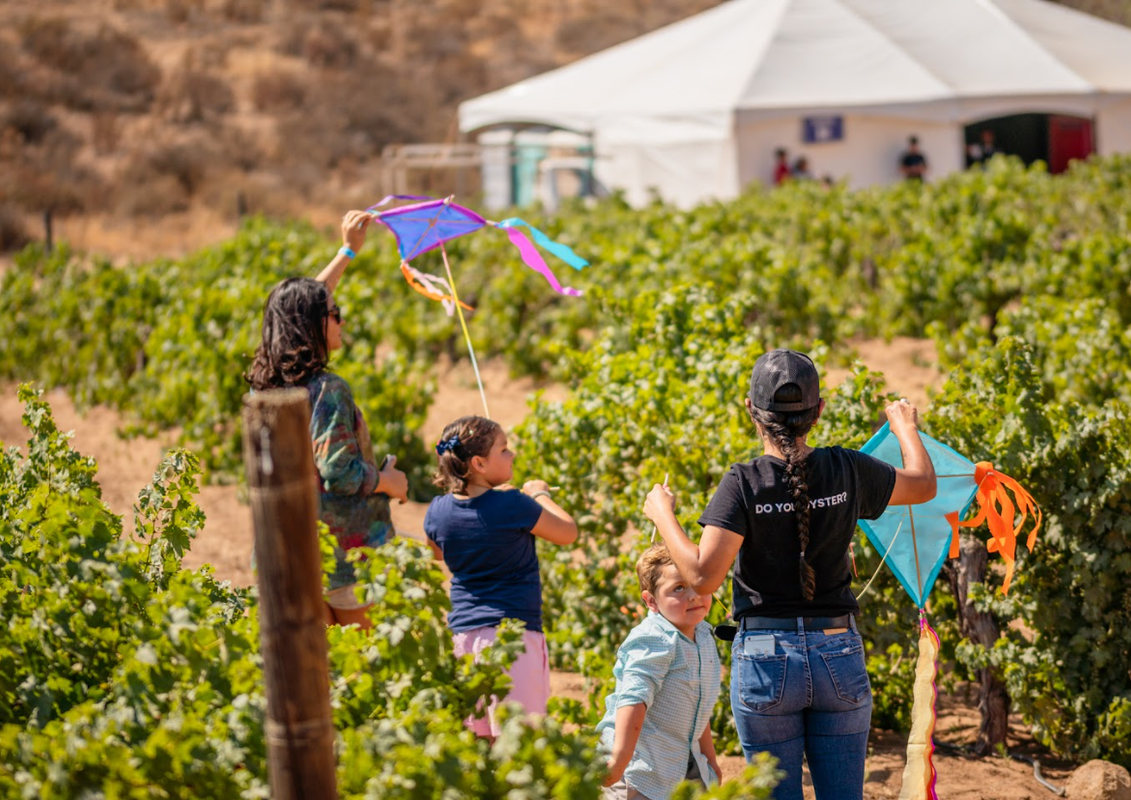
678, 680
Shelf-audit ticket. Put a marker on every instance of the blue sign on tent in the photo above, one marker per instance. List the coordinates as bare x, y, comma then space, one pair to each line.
815, 130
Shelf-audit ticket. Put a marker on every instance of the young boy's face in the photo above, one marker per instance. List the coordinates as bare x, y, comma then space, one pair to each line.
677, 602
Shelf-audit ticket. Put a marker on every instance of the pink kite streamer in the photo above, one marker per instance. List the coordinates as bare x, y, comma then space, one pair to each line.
534, 260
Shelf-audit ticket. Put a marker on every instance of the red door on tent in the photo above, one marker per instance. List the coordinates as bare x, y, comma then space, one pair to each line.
1069, 138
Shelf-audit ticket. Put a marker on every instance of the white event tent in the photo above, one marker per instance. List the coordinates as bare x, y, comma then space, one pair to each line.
695, 110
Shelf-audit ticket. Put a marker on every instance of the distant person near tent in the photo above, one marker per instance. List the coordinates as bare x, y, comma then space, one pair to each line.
980, 153
913, 164
781, 166
800, 171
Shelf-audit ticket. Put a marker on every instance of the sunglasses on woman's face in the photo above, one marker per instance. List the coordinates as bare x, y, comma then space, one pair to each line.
336, 313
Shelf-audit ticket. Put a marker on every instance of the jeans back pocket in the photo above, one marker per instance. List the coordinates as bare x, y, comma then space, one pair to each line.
761, 679
844, 659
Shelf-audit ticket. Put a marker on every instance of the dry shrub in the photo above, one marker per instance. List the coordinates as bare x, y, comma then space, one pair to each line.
247, 12
236, 148
30, 120
35, 186
311, 139
154, 197
11, 76
211, 55
459, 76
291, 37
278, 91
186, 163
181, 11
38, 171
105, 60
266, 195
55, 88
355, 115
467, 9
13, 232
371, 126
195, 96
325, 45
11, 145
379, 35
105, 132
162, 179
48, 39
447, 40
348, 6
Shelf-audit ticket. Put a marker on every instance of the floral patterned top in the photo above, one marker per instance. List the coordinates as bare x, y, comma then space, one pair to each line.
347, 473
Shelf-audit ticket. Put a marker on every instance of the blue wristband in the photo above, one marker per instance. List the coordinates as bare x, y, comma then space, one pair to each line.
345, 251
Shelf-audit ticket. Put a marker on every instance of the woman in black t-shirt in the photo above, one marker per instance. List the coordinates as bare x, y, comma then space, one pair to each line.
785, 520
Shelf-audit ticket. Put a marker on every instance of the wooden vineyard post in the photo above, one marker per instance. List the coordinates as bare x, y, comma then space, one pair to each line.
292, 624
980, 627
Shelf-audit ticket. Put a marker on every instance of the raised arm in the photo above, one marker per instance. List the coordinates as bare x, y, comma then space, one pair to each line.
555, 525
354, 225
915, 482
705, 565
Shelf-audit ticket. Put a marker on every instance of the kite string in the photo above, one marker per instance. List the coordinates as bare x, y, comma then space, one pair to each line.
466, 335
891, 544
915, 547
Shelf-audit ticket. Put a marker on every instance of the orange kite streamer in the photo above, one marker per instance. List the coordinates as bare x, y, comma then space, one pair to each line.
427, 285
998, 510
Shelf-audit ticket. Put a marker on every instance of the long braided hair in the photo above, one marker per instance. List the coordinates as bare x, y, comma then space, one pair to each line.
784, 429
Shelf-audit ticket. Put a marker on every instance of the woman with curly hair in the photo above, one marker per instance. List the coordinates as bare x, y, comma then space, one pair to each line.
302, 326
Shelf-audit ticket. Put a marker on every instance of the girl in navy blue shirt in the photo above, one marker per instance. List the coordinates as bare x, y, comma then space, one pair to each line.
484, 531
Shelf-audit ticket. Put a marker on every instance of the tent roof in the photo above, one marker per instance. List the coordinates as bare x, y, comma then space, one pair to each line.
765, 55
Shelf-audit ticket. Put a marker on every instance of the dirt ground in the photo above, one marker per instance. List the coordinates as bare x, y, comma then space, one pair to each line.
959, 777
125, 466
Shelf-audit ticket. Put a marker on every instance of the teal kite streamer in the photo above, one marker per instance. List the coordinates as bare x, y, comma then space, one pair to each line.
546, 243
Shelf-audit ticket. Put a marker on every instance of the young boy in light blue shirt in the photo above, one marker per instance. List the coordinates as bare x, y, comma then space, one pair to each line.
657, 723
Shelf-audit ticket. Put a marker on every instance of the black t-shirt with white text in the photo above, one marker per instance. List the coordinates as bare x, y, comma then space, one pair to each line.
753, 500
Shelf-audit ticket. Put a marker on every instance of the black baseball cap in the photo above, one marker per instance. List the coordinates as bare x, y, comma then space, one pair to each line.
779, 368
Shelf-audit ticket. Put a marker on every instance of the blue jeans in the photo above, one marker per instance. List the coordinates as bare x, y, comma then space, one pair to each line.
804, 693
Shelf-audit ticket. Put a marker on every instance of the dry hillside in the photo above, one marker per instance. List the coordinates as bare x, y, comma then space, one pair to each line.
134, 109
120, 111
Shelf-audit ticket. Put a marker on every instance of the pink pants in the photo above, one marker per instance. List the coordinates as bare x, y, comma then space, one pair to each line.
529, 674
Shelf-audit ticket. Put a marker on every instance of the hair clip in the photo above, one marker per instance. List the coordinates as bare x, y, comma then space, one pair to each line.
447, 444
